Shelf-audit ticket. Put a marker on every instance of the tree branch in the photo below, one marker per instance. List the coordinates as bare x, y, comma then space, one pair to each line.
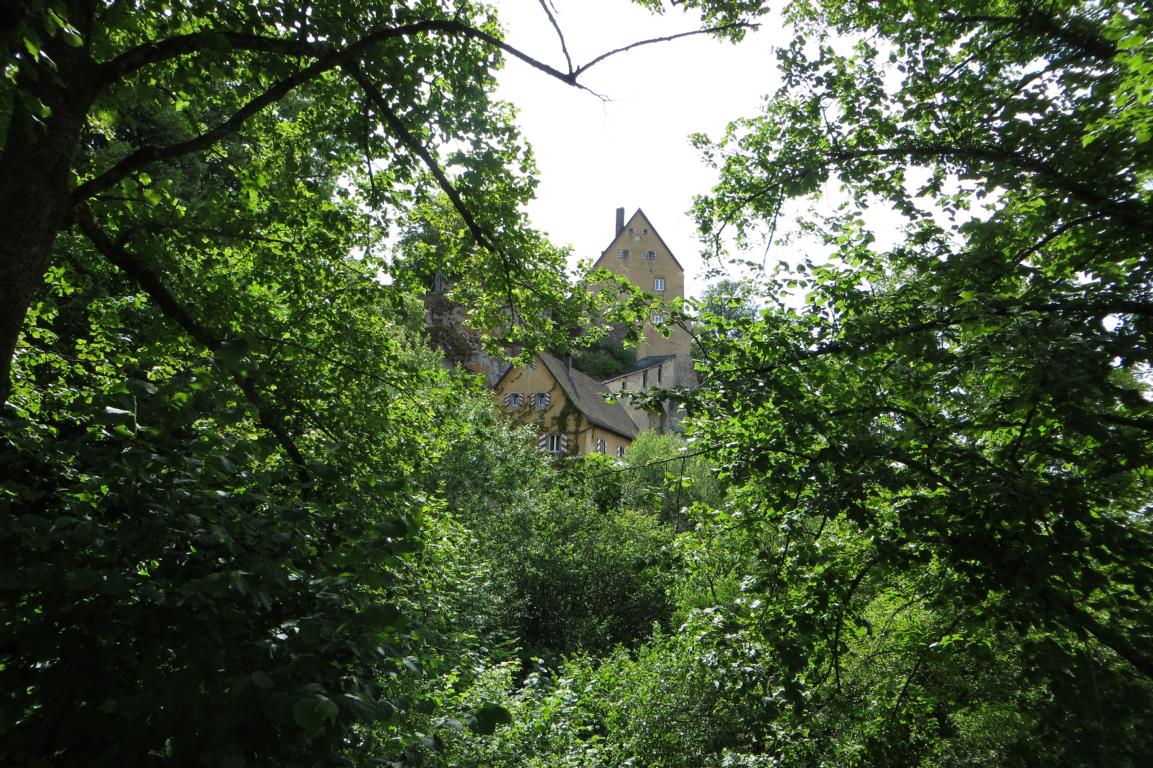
170, 48
327, 59
1137, 216
171, 307
1077, 35
653, 40
148, 155
409, 140
852, 589
552, 20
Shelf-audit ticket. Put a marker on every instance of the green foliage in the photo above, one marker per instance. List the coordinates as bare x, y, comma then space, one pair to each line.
947, 437
724, 308
605, 359
172, 584
222, 423
248, 518
555, 566
663, 475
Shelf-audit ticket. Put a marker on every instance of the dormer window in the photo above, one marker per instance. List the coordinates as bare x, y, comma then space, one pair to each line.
650, 255
659, 284
513, 400
623, 253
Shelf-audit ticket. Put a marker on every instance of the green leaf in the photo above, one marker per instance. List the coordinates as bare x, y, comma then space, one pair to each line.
313, 712
381, 615
488, 717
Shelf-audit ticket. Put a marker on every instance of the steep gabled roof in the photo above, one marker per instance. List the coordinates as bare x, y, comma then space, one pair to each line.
651, 228
586, 393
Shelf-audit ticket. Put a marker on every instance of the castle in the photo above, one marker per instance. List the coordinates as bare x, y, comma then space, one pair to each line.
567, 405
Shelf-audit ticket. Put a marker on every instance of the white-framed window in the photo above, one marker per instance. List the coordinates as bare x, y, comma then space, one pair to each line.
513, 400
555, 443
602, 446
541, 400
658, 319
659, 284
650, 255
620, 451
623, 253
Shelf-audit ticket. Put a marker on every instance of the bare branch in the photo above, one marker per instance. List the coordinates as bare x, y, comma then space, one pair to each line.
552, 20
327, 59
651, 41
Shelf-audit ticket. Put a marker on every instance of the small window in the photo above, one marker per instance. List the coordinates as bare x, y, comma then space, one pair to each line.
513, 400
556, 443
645, 379
620, 451
660, 371
602, 446
541, 400
650, 255
658, 319
659, 284
623, 253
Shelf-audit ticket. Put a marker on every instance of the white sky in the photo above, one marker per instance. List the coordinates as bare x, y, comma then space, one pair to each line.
632, 151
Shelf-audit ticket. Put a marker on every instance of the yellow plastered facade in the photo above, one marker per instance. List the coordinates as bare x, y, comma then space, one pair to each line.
641, 256
559, 417
662, 375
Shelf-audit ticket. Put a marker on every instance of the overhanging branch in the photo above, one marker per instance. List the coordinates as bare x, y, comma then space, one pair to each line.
397, 127
171, 307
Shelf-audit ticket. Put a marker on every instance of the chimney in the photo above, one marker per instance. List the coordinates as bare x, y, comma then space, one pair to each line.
620, 221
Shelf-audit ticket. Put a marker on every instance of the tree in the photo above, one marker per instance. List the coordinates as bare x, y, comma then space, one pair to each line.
417, 74
723, 309
216, 417
663, 476
965, 408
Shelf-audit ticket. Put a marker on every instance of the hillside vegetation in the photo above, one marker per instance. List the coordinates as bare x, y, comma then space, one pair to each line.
248, 517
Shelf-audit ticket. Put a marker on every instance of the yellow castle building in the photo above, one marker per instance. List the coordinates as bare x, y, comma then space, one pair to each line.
568, 406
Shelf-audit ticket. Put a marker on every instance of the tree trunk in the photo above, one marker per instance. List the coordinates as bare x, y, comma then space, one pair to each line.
35, 171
